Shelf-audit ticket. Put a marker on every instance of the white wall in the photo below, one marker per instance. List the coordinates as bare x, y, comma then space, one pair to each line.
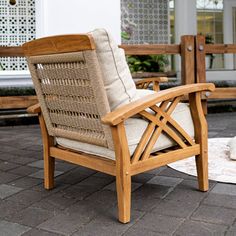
77, 16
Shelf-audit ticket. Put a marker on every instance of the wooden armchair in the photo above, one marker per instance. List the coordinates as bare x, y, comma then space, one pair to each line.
74, 114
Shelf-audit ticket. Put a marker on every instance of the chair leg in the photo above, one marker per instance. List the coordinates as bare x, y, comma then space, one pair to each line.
123, 187
49, 167
202, 171
201, 137
49, 162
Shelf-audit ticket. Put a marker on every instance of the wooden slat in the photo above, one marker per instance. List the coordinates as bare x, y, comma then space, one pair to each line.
150, 49
90, 161
223, 93
59, 44
11, 51
164, 159
17, 102
220, 48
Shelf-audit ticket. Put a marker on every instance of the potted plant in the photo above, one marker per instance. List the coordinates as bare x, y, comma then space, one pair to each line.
148, 63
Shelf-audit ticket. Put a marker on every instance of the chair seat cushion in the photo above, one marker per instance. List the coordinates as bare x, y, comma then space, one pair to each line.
135, 128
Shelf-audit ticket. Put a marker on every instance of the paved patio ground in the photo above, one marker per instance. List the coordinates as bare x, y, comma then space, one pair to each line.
164, 201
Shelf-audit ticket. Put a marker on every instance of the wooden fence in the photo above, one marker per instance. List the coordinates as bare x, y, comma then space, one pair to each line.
192, 51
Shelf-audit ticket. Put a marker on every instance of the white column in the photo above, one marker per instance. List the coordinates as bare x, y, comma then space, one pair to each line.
185, 18
72, 16
185, 23
228, 31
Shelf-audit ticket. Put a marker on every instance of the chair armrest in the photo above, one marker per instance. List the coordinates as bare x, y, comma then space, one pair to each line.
155, 81
34, 109
122, 113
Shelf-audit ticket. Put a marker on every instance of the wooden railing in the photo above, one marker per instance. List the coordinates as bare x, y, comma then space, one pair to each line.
185, 49
192, 51
201, 49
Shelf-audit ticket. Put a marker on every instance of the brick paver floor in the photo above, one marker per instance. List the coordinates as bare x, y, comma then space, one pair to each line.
164, 201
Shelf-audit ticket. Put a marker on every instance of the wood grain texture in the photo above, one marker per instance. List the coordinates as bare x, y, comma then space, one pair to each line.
200, 56
123, 177
220, 93
126, 111
187, 59
49, 161
163, 159
151, 49
201, 138
90, 161
10, 102
6, 51
220, 48
58, 44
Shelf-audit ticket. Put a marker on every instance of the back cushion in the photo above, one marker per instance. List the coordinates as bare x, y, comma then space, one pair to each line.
119, 85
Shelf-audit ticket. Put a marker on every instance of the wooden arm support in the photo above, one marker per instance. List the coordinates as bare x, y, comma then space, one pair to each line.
34, 109
121, 114
155, 81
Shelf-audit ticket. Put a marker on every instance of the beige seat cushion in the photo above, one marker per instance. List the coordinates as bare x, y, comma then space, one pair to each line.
134, 131
119, 85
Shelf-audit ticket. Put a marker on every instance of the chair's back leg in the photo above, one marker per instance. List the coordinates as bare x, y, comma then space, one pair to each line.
201, 137
49, 162
123, 177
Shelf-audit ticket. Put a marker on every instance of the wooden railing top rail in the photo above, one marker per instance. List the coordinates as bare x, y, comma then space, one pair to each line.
220, 48
151, 49
16, 51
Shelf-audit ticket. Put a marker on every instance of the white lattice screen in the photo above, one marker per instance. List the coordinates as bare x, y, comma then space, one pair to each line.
17, 25
145, 21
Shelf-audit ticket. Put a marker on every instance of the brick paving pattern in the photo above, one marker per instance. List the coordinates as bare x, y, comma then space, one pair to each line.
164, 201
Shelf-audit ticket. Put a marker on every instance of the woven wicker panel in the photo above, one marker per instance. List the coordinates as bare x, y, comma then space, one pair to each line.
72, 96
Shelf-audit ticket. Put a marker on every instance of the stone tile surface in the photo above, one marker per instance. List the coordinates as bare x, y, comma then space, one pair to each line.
84, 202
215, 215
14, 229
196, 228
8, 190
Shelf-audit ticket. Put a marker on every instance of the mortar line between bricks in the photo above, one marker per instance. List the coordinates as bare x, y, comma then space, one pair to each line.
145, 213
198, 205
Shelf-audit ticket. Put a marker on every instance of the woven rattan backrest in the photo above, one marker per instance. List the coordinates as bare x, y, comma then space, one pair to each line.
71, 94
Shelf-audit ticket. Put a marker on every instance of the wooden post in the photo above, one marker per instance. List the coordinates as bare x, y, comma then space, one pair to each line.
187, 59
200, 57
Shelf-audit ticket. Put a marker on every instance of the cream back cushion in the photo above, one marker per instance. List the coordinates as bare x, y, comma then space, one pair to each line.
119, 85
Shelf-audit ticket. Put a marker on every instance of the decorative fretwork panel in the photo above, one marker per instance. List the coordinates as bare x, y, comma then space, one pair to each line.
160, 121
17, 26
145, 21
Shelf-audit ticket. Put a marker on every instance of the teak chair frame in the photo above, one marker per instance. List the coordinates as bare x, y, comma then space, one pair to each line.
125, 166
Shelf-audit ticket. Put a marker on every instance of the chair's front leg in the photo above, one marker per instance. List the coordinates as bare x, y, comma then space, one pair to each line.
123, 177
49, 162
201, 137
